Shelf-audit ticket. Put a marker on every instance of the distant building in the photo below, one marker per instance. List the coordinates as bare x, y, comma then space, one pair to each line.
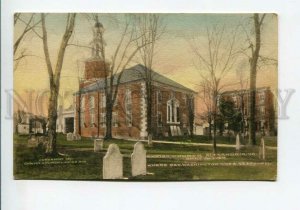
65, 120
28, 123
265, 107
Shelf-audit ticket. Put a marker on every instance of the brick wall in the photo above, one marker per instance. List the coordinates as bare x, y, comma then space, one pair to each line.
122, 130
265, 113
95, 69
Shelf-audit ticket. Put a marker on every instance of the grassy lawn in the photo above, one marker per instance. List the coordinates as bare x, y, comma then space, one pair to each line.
269, 140
81, 163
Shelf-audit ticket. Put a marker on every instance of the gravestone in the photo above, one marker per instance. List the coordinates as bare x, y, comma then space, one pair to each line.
262, 149
98, 145
150, 140
175, 130
179, 131
172, 130
237, 143
166, 134
113, 163
69, 136
43, 140
138, 160
33, 142
76, 136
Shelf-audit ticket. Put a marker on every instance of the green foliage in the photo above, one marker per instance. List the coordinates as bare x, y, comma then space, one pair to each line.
229, 114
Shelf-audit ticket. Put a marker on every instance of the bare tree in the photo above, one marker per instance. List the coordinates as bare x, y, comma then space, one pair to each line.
125, 51
255, 49
54, 77
205, 96
151, 27
256, 61
191, 113
242, 93
78, 108
215, 60
27, 23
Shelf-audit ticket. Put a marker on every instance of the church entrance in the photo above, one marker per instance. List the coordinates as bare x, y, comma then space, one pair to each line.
69, 125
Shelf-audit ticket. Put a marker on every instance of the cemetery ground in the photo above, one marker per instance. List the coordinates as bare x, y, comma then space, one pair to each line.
164, 161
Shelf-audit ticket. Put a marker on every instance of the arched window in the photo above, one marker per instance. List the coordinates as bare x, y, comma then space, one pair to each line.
82, 103
128, 107
115, 119
159, 97
173, 114
159, 119
82, 109
92, 102
103, 120
92, 110
103, 100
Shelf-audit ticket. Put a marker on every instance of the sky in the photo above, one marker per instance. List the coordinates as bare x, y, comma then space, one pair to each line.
174, 56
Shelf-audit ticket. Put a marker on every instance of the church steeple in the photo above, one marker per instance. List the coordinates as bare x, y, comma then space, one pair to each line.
96, 67
98, 41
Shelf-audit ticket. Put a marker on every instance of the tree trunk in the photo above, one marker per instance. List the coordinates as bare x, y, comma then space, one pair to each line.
214, 136
149, 108
215, 122
242, 128
109, 109
253, 72
209, 129
191, 115
52, 115
54, 78
79, 113
191, 126
98, 115
252, 123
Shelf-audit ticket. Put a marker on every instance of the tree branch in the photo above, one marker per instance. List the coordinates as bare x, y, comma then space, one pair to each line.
46, 50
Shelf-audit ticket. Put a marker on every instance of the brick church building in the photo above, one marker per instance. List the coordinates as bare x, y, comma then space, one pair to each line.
170, 104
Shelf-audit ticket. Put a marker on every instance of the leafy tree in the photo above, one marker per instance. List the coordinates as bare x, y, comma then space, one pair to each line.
230, 115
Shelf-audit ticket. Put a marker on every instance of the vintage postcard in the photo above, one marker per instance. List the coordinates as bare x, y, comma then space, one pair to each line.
164, 97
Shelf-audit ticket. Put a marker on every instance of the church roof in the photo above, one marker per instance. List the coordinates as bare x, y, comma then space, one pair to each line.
136, 73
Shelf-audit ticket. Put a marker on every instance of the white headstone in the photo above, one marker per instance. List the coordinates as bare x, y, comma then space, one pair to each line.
237, 143
262, 149
176, 130
33, 142
43, 140
173, 130
138, 160
98, 145
23, 128
76, 136
69, 136
150, 140
113, 163
179, 131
